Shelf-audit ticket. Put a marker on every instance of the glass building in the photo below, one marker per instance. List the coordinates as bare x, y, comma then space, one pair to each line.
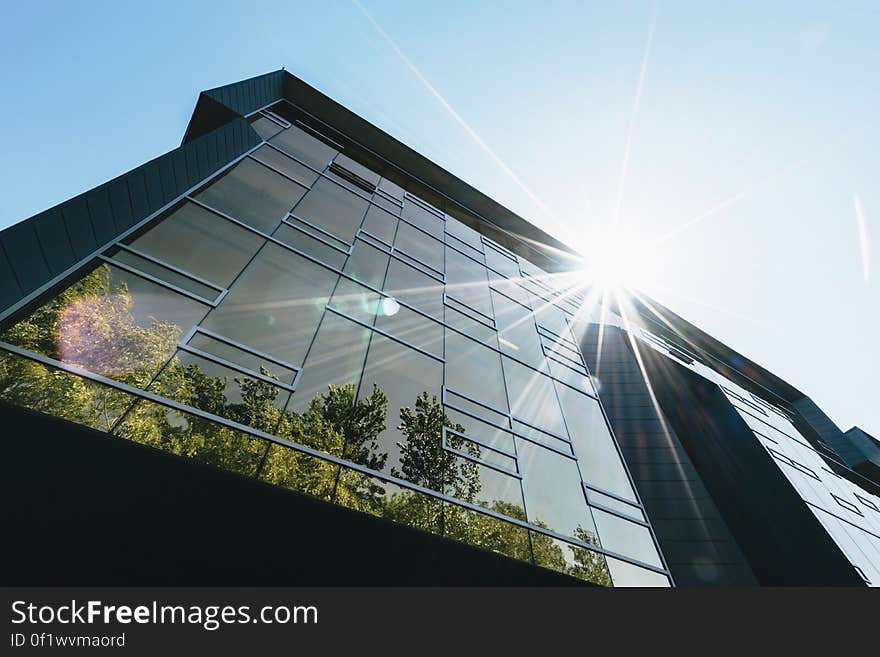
296, 297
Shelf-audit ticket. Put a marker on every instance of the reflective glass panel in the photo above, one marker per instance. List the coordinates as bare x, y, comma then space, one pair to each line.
336, 357
367, 264
304, 147
413, 430
30, 384
233, 354
220, 390
189, 435
570, 559
410, 326
417, 215
265, 127
553, 493
420, 246
474, 370
627, 574
201, 243
466, 281
165, 274
517, 335
253, 194
275, 305
110, 322
533, 398
599, 460
627, 538
287, 165
380, 224
357, 169
386, 500
415, 288
333, 208
309, 241
486, 532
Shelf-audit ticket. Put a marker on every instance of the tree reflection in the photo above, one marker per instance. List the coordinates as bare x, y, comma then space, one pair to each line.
91, 325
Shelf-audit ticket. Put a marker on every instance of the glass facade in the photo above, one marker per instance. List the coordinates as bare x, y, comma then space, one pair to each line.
850, 514
304, 321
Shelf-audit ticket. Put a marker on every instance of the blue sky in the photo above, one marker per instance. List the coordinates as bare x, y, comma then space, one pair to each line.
731, 142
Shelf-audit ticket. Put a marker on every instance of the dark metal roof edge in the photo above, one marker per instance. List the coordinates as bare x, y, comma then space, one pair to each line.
703, 342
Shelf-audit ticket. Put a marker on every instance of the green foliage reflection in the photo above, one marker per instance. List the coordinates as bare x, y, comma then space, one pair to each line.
91, 325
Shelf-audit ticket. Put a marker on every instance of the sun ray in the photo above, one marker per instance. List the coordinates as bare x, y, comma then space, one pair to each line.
633, 118
862, 224
729, 201
456, 116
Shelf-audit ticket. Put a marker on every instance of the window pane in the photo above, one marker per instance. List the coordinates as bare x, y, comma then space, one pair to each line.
466, 281
456, 441
253, 194
572, 377
615, 504
333, 208
532, 398
482, 431
466, 234
570, 559
542, 437
386, 500
410, 326
273, 157
484, 531
110, 322
253, 362
357, 169
300, 472
553, 493
420, 246
275, 305
223, 391
627, 574
424, 219
391, 189
191, 436
415, 288
509, 289
404, 374
27, 383
491, 417
336, 357
201, 243
474, 370
264, 127
356, 301
165, 274
477, 484
599, 460
380, 224
304, 147
552, 318
517, 334
468, 323
309, 241
387, 204
367, 264
501, 263
627, 538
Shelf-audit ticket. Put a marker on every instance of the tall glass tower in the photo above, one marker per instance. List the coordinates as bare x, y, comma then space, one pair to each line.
296, 297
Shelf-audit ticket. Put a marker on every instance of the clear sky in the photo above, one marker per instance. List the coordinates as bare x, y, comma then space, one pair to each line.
736, 145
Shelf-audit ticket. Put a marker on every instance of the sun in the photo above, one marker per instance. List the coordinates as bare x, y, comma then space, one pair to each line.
616, 260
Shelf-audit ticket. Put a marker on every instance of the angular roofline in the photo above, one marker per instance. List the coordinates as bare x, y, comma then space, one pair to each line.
39, 251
